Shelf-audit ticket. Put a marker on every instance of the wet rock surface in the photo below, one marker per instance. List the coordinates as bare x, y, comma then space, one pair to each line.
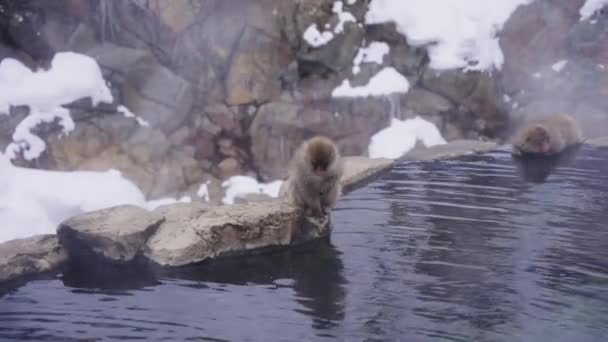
29, 257
453, 149
116, 234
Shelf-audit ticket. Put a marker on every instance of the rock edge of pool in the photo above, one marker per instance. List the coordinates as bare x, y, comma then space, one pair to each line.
183, 234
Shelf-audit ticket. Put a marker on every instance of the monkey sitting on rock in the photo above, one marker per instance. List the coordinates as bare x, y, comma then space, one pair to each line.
314, 176
547, 136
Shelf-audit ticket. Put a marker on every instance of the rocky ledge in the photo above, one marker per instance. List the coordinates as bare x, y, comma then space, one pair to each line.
29, 257
188, 233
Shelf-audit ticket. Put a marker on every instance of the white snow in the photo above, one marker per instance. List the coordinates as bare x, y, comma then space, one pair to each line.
590, 7
373, 53
153, 204
462, 32
343, 17
203, 191
71, 77
31, 145
35, 201
239, 186
401, 136
316, 38
128, 114
537, 75
559, 66
387, 81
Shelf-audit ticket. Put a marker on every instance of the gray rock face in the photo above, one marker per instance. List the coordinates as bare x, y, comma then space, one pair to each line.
116, 234
158, 95
30, 256
253, 75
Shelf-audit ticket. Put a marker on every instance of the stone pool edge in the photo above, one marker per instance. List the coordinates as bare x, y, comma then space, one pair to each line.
165, 236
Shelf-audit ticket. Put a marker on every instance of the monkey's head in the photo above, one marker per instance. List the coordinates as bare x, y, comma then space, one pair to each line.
321, 154
534, 139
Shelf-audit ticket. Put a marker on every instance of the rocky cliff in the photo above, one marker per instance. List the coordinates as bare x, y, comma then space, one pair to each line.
231, 87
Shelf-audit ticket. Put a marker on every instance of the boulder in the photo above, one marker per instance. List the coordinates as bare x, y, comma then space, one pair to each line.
115, 234
452, 149
158, 95
423, 102
253, 73
30, 256
230, 230
477, 92
336, 55
280, 127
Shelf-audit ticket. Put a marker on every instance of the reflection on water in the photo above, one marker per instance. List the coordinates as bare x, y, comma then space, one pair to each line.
462, 250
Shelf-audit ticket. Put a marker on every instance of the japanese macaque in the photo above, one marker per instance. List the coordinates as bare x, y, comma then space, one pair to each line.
314, 176
547, 136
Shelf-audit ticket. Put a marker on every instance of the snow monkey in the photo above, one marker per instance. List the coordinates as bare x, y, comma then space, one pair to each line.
547, 136
314, 176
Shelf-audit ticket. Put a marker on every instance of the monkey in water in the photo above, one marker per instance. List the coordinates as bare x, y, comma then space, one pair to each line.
315, 172
547, 136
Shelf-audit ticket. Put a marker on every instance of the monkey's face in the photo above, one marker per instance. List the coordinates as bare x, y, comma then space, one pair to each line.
321, 157
535, 140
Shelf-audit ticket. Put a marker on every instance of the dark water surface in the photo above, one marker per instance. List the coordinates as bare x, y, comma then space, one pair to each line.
461, 250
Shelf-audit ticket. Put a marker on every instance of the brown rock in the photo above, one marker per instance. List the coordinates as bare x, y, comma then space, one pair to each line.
229, 167
231, 230
279, 128
253, 75
29, 257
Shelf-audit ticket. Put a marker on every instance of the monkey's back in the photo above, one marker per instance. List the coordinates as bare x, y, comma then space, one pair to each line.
563, 131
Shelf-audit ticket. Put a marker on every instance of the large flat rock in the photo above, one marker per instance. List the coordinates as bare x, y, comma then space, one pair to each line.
358, 169
453, 149
27, 257
229, 230
115, 234
598, 142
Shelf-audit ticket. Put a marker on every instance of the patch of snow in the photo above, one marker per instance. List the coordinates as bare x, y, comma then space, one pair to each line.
343, 17
203, 191
153, 204
559, 66
537, 75
401, 136
128, 114
35, 201
32, 145
351, 2
316, 38
72, 76
386, 81
506, 98
239, 186
373, 53
459, 33
590, 7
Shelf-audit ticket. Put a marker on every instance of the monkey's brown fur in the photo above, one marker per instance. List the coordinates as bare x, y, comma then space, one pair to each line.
314, 176
547, 136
